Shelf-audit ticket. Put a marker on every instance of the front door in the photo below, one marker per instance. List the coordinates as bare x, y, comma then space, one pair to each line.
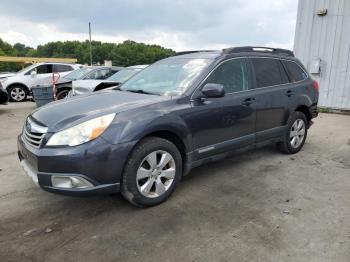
226, 123
43, 72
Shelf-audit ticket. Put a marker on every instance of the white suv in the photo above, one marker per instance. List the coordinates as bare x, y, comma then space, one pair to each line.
19, 85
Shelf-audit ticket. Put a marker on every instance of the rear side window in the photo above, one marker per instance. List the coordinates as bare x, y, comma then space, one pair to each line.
44, 69
295, 72
269, 72
62, 68
232, 75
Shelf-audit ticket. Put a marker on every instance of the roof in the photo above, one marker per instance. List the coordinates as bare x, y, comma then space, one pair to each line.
246, 50
211, 54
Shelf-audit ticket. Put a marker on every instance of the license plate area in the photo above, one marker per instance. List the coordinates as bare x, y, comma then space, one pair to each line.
28, 156
30, 171
28, 162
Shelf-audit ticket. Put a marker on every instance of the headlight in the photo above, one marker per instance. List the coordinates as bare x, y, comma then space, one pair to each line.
81, 133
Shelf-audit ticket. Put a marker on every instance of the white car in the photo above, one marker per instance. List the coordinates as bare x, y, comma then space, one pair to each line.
6, 74
19, 86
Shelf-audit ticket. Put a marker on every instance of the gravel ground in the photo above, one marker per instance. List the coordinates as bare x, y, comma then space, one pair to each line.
257, 206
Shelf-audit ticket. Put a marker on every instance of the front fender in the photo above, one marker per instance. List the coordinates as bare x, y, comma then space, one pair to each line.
136, 125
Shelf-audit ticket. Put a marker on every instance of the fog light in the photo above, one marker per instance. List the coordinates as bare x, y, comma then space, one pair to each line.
70, 182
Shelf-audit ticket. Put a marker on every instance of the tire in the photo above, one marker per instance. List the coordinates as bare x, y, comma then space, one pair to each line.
295, 135
62, 94
17, 93
146, 180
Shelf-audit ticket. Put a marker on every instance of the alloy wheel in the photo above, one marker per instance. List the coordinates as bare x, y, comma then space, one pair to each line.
17, 94
156, 174
297, 133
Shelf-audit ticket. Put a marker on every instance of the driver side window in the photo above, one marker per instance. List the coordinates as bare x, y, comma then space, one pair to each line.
41, 69
232, 74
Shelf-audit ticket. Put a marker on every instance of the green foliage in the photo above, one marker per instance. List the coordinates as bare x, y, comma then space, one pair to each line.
123, 54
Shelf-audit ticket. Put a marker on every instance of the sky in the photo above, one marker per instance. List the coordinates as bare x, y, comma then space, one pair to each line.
177, 24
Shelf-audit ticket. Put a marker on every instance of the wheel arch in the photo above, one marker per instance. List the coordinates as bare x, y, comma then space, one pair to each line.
306, 111
60, 88
18, 84
172, 137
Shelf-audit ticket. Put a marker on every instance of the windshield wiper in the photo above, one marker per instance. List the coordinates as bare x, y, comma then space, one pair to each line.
140, 91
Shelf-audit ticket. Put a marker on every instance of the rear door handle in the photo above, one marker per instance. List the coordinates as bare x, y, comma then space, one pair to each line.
248, 101
289, 93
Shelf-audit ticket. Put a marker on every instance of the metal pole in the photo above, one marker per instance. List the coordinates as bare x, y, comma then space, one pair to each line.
90, 44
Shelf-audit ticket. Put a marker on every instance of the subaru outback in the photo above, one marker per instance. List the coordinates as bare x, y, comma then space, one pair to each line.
181, 112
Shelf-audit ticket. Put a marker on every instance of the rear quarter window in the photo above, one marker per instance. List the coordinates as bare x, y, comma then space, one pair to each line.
295, 72
269, 72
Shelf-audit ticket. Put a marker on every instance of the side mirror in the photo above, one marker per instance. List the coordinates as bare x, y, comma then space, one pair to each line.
33, 73
213, 90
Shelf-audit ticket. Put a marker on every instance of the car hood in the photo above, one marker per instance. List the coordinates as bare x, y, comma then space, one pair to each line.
7, 75
63, 80
62, 114
86, 84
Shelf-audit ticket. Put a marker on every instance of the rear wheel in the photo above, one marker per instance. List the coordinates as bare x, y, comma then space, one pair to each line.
151, 172
17, 93
296, 134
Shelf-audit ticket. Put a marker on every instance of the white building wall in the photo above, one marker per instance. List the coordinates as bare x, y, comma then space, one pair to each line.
327, 38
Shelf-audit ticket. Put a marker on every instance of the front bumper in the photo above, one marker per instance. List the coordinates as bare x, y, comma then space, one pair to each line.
97, 162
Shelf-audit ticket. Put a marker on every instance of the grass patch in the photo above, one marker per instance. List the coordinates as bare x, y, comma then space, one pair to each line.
324, 110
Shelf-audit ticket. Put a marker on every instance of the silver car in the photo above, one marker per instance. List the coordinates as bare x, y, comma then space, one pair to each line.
80, 87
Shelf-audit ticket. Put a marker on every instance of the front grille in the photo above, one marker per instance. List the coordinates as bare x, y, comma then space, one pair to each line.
33, 133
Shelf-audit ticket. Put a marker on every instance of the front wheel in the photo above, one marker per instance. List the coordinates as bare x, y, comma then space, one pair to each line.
17, 93
295, 135
62, 94
151, 172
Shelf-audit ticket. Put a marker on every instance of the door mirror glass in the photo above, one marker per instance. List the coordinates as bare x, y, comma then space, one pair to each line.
213, 90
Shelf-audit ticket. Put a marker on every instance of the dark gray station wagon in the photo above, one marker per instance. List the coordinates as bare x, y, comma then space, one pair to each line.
142, 137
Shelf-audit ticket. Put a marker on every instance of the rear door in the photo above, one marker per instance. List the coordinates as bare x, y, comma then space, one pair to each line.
272, 92
225, 123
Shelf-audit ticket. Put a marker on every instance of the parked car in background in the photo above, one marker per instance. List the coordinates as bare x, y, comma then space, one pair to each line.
176, 114
6, 74
64, 84
19, 86
85, 86
3, 95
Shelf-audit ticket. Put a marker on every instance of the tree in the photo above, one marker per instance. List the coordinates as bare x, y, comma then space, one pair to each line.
123, 54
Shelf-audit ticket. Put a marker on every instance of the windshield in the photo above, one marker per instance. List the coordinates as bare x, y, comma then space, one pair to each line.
78, 74
124, 75
167, 77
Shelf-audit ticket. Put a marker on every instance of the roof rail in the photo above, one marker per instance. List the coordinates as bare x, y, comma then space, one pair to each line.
270, 50
190, 52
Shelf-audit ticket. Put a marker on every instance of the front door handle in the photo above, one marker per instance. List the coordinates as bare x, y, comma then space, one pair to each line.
248, 101
289, 93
